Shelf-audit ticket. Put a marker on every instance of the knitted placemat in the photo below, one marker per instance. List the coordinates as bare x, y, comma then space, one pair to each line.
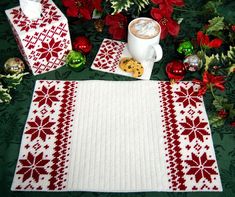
116, 136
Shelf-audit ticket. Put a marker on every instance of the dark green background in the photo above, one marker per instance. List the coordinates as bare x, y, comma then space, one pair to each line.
13, 116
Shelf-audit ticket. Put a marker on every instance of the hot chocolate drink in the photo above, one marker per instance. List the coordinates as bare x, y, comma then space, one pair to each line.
144, 28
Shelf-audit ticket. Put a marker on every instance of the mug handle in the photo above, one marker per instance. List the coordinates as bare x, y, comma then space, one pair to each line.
158, 53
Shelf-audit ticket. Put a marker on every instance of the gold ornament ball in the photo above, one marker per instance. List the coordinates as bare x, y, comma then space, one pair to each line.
14, 65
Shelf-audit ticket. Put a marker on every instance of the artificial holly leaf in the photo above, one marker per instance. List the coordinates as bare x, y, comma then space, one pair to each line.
231, 37
11, 81
120, 5
141, 3
5, 97
216, 24
213, 5
209, 60
229, 59
201, 54
231, 69
217, 104
231, 52
216, 121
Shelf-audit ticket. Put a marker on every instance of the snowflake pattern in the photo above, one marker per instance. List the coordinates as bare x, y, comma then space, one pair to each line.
108, 55
49, 14
44, 154
52, 16
33, 166
26, 25
46, 96
195, 129
17, 14
201, 167
50, 49
40, 128
47, 136
100, 65
188, 96
43, 42
189, 149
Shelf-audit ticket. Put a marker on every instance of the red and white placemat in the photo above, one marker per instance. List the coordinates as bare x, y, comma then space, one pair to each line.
116, 137
109, 55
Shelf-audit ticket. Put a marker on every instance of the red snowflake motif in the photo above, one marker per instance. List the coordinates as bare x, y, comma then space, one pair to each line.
40, 128
33, 167
46, 96
107, 54
112, 43
52, 16
46, 4
27, 25
17, 14
50, 49
101, 65
188, 97
194, 129
201, 167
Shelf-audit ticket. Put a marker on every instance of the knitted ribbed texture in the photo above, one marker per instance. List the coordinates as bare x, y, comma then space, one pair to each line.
117, 137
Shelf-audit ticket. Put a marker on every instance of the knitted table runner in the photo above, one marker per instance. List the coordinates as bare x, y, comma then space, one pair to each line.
116, 136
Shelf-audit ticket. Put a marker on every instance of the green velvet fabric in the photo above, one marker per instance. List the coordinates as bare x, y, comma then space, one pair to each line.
13, 115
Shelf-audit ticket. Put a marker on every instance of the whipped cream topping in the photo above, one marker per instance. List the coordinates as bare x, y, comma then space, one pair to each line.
145, 28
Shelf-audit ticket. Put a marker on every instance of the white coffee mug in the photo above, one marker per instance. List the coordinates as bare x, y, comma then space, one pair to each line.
145, 49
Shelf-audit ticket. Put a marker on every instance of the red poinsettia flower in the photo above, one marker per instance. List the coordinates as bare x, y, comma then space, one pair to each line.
169, 4
204, 40
77, 8
97, 5
117, 25
168, 25
210, 80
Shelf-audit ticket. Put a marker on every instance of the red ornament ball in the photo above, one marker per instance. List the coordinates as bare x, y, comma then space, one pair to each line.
82, 44
175, 70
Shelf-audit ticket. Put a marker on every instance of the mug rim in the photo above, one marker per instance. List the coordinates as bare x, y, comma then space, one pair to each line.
159, 34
